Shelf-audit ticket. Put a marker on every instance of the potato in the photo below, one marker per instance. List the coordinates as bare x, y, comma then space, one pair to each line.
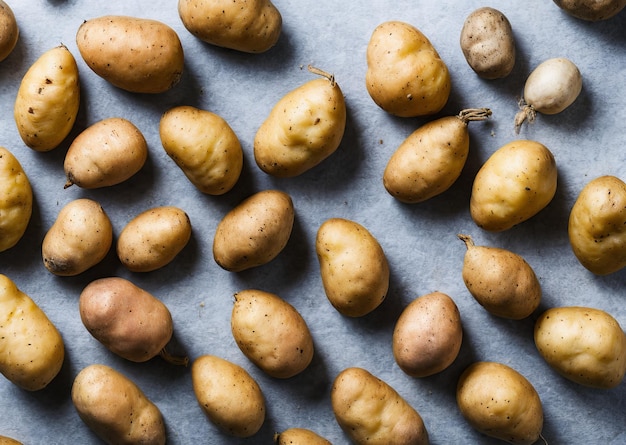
153, 238
204, 147
597, 225
432, 158
106, 153
115, 408
9, 30
488, 43
228, 395
248, 26
299, 436
513, 185
32, 349
499, 402
405, 75
353, 267
500, 281
584, 345
254, 232
135, 54
372, 412
427, 336
48, 99
592, 10
303, 128
80, 238
4, 440
16, 200
271, 333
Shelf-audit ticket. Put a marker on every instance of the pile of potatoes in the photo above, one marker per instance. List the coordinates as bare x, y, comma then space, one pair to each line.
406, 78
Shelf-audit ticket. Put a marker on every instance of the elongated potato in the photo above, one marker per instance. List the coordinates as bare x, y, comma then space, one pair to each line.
9, 30
16, 200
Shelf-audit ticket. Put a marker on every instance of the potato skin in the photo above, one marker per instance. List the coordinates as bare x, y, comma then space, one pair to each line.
8, 440
592, 10
584, 345
135, 54
115, 408
31, 348
228, 395
371, 412
597, 225
9, 30
299, 436
16, 200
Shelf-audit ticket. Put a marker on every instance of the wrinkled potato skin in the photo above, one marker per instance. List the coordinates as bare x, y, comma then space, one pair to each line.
16, 200
428, 335
115, 408
135, 54
254, 232
252, 26
592, 10
353, 267
271, 333
299, 436
48, 99
204, 147
499, 402
513, 185
228, 395
405, 75
584, 345
597, 225
128, 320
371, 412
153, 238
31, 348
9, 30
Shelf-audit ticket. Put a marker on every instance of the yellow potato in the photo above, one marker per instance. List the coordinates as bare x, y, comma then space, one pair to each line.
299, 436
9, 30
592, 10
32, 349
251, 26
427, 336
271, 333
48, 99
80, 238
353, 267
513, 185
204, 147
115, 408
597, 228
584, 345
8, 440
371, 412
303, 128
107, 153
153, 238
500, 402
135, 54
405, 74
228, 395
254, 232
16, 200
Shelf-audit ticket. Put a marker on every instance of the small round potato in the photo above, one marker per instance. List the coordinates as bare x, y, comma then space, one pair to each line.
592, 10
9, 30
299, 436
16, 200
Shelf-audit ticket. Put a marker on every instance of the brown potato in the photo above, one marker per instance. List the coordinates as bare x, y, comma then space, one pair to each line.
592, 10
299, 436
9, 30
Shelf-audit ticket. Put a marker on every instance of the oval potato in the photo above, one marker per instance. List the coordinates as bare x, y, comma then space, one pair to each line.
16, 200
9, 30
299, 436
592, 10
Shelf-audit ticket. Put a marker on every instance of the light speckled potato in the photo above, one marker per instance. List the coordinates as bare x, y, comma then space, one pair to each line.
16, 200
106, 153
32, 349
597, 225
488, 43
498, 401
80, 238
4, 440
299, 436
405, 74
153, 238
254, 232
228, 395
115, 408
48, 99
592, 10
271, 333
372, 412
513, 185
135, 54
584, 345
252, 26
431, 158
353, 267
9, 30
303, 128
500, 281
203, 146
427, 336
